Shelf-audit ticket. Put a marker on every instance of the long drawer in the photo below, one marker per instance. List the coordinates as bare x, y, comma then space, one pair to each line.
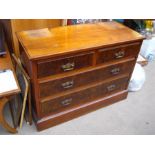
118, 52
64, 64
63, 84
83, 96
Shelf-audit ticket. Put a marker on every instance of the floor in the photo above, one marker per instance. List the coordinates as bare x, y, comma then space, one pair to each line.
135, 115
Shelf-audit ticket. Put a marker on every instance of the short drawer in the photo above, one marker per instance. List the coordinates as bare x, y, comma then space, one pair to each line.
84, 96
117, 53
65, 64
52, 87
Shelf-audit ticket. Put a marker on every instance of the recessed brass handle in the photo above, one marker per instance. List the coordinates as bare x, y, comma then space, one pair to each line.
119, 54
66, 101
69, 66
115, 71
111, 87
68, 84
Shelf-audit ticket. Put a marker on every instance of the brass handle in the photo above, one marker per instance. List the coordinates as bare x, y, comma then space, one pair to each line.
68, 66
111, 87
119, 54
115, 71
66, 101
68, 84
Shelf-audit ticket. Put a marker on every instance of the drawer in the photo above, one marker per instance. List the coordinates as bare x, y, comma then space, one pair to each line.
52, 87
65, 64
87, 95
117, 53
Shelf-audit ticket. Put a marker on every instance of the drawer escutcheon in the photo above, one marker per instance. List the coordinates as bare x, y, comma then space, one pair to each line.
68, 66
66, 102
68, 84
119, 54
111, 87
115, 71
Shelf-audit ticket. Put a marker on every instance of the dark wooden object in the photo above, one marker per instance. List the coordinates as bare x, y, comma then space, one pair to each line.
77, 69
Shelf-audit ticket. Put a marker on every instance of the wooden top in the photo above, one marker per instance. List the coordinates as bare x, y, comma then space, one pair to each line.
6, 63
56, 41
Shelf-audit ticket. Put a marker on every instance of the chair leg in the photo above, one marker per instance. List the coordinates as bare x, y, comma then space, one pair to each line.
3, 122
24, 102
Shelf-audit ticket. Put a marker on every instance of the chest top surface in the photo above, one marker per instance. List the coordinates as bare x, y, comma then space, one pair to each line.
56, 41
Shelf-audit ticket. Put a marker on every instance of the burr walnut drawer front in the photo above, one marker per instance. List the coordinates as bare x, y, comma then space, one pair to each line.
54, 86
65, 64
117, 53
83, 96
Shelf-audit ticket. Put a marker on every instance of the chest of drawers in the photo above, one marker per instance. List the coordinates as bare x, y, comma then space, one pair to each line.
77, 69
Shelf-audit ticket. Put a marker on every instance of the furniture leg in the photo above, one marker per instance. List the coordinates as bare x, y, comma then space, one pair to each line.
3, 122
24, 102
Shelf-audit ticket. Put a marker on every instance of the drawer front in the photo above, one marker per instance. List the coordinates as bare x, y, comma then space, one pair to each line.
83, 96
68, 83
66, 64
117, 53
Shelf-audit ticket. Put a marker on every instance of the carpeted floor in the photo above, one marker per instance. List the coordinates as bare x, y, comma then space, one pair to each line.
135, 115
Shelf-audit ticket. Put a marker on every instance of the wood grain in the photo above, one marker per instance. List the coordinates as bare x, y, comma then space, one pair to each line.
50, 121
101, 53
83, 96
63, 40
52, 67
15, 25
87, 77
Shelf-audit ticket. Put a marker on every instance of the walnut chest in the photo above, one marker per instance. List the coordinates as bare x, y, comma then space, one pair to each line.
77, 69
